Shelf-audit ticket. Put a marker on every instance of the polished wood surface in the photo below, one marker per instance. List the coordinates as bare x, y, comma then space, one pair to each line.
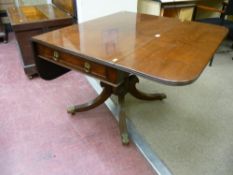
28, 14
69, 6
162, 49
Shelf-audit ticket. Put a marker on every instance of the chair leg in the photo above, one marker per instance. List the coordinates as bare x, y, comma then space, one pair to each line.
6, 35
211, 61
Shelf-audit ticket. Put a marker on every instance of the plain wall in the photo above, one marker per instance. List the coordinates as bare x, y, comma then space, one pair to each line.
90, 9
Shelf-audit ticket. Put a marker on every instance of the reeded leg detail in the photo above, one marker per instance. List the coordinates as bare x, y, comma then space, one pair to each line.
105, 94
122, 121
133, 80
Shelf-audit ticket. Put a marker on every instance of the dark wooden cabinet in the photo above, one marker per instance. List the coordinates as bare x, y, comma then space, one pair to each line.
181, 9
3, 33
28, 21
4, 22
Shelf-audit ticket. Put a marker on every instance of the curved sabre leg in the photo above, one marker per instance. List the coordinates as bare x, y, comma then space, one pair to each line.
140, 95
105, 94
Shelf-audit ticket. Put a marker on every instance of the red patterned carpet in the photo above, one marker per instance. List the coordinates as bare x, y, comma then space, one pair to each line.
38, 137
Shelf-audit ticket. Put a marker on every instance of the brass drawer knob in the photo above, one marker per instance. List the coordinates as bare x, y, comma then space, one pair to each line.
55, 56
87, 67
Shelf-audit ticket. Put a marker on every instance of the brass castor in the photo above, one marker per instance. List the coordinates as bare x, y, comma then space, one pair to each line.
71, 110
125, 138
30, 77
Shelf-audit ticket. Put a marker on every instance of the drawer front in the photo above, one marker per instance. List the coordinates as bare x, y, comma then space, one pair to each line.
99, 71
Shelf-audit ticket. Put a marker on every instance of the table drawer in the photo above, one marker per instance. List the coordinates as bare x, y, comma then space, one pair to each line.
97, 70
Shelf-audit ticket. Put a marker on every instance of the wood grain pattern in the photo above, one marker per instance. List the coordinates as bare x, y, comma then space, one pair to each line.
28, 14
78, 63
68, 6
162, 49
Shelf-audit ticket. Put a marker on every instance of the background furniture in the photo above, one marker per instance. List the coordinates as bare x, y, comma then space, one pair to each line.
3, 32
182, 9
28, 21
224, 13
4, 21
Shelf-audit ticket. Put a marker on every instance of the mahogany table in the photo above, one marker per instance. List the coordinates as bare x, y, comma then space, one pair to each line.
116, 49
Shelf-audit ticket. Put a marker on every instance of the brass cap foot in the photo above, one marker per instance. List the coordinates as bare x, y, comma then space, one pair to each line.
71, 110
125, 138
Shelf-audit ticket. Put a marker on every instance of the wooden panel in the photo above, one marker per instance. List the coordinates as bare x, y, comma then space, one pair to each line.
52, 12
186, 14
68, 6
3, 35
23, 41
78, 63
149, 7
208, 14
171, 12
182, 9
29, 14
183, 13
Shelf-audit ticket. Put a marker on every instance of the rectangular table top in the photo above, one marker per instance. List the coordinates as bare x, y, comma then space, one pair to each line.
162, 49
